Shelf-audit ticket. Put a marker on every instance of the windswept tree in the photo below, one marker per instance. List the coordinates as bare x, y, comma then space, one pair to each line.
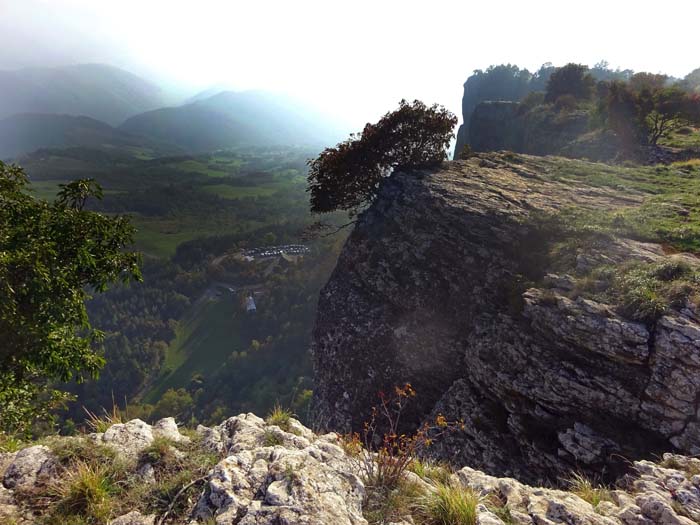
52, 257
348, 176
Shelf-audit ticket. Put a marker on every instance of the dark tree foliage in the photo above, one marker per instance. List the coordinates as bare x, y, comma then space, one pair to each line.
348, 176
692, 81
647, 81
623, 115
572, 79
645, 115
51, 256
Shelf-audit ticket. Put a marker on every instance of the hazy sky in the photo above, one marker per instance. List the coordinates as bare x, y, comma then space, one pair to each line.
355, 58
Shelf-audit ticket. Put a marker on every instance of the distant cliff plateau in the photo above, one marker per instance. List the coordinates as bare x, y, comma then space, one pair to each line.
550, 303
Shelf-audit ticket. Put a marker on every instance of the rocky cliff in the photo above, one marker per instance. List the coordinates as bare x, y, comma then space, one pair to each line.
266, 475
541, 130
455, 281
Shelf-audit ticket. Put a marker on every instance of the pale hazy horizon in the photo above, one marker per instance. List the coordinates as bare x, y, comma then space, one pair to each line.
353, 61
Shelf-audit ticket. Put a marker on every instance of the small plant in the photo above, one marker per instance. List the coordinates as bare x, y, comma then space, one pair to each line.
385, 453
588, 490
466, 152
272, 439
449, 505
280, 417
160, 452
498, 505
9, 443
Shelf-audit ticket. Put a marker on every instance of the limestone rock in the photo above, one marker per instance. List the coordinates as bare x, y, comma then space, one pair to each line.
134, 518
270, 477
129, 438
134, 436
167, 428
29, 466
300, 480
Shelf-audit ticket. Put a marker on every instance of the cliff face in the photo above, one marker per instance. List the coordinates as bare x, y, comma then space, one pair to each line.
448, 282
497, 126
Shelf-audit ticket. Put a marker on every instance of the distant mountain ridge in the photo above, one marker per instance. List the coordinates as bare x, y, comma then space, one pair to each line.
98, 91
90, 105
28, 132
232, 118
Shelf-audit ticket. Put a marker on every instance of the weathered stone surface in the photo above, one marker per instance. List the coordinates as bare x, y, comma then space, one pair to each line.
129, 438
272, 477
658, 495
29, 466
167, 428
134, 436
298, 480
134, 518
429, 289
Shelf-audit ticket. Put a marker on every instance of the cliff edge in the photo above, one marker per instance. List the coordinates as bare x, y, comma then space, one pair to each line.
514, 292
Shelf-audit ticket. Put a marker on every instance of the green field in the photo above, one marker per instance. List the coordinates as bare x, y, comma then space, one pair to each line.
46, 189
683, 140
206, 337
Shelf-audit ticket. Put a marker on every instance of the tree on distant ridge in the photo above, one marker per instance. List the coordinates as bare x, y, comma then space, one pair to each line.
571, 79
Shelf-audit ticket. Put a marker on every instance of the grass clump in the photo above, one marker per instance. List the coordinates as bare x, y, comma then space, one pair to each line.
588, 490
644, 292
431, 471
87, 491
689, 466
280, 417
179, 469
498, 505
161, 452
9, 443
449, 505
96, 484
387, 505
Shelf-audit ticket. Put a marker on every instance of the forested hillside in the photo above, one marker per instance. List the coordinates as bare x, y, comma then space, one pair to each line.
180, 342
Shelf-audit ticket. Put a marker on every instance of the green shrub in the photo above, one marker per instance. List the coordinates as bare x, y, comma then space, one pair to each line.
348, 176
